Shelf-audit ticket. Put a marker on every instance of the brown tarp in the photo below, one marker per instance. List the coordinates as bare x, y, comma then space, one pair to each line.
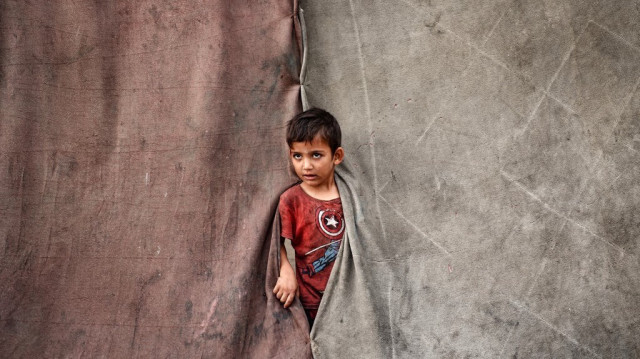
141, 158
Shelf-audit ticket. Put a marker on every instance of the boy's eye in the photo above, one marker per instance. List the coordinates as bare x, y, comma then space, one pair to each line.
317, 155
297, 156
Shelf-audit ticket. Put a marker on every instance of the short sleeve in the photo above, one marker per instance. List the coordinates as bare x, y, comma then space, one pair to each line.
287, 218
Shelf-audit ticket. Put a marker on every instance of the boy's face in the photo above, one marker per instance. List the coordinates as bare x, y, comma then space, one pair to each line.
313, 162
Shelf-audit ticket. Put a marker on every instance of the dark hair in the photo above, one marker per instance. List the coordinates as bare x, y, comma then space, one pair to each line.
305, 126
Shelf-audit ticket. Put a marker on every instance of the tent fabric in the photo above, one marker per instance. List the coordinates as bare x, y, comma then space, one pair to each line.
499, 140
353, 318
141, 159
489, 190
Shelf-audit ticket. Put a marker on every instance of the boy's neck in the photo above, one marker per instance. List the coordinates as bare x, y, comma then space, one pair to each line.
325, 192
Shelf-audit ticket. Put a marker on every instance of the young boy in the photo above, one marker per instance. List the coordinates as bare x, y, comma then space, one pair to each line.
311, 211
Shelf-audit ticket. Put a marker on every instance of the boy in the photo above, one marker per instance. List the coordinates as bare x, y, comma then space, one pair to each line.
311, 211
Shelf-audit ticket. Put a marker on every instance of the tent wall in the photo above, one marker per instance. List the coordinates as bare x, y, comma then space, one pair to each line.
502, 139
141, 158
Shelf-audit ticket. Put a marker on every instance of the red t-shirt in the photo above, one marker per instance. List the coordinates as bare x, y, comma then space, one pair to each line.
315, 228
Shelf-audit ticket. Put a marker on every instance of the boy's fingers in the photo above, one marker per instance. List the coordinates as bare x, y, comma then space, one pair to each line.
278, 287
289, 300
285, 296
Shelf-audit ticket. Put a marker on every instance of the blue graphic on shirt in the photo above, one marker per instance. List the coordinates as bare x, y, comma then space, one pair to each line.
321, 263
329, 256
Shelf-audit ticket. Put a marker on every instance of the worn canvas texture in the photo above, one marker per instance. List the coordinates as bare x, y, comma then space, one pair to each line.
491, 187
141, 159
353, 318
501, 142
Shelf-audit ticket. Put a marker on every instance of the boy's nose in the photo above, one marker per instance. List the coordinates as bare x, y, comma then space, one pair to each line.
306, 164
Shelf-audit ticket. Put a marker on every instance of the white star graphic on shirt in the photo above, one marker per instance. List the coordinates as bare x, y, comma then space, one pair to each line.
331, 221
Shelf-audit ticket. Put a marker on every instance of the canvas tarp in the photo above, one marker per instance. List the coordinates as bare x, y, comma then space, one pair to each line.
500, 142
490, 191
141, 159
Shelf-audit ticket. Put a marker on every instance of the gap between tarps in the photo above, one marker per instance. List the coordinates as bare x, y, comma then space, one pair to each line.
303, 67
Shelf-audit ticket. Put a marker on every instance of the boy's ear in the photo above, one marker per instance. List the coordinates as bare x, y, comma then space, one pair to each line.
338, 156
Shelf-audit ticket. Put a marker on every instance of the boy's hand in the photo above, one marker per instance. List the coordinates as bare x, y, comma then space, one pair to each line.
286, 288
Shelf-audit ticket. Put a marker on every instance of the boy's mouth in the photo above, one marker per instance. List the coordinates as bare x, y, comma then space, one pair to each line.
309, 177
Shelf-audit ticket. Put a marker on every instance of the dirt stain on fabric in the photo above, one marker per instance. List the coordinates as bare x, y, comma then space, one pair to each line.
188, 309
281, 315
137, 306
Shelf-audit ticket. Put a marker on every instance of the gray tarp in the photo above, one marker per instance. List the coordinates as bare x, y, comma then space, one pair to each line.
353, 318
501, 139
